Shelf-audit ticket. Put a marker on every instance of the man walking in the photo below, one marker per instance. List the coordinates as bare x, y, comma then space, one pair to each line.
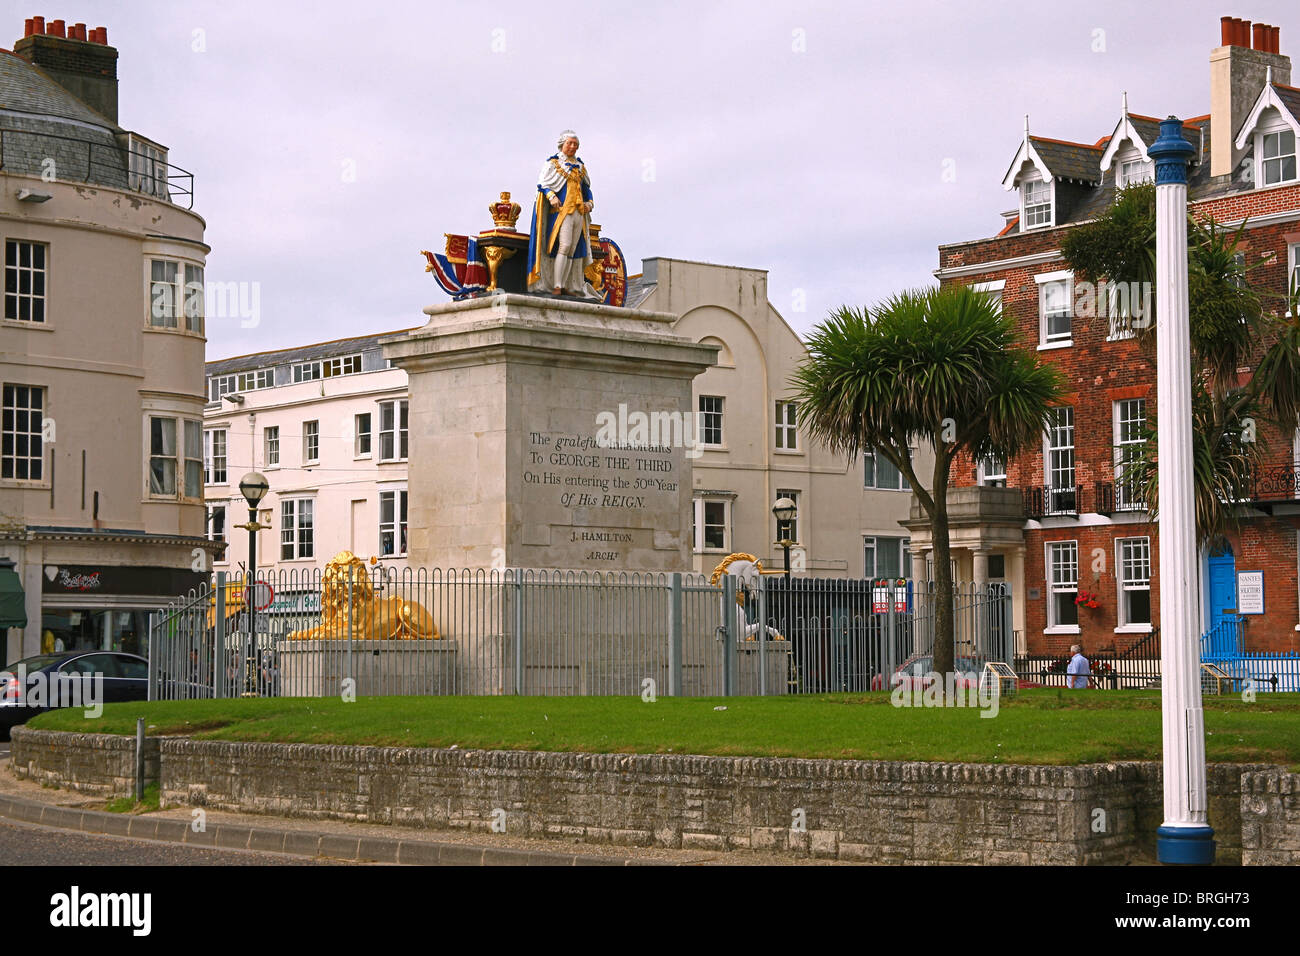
1077, 673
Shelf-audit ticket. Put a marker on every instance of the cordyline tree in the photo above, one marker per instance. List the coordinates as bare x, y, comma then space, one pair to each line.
939, 365
1231, 328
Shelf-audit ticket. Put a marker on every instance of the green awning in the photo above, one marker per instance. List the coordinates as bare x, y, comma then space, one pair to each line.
13, 603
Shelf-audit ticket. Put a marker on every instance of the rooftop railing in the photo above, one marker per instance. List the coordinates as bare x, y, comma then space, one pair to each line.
90, 161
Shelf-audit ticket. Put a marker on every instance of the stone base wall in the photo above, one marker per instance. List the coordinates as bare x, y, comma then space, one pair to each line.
1270, 818
101, 764
876, 811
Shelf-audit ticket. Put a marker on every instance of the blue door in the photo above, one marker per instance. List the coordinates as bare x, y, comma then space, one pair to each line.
1223, 587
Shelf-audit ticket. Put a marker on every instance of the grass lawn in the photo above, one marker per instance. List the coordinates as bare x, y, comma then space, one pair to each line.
1039, 726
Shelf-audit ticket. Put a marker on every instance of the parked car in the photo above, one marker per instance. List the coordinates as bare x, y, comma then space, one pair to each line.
48, 681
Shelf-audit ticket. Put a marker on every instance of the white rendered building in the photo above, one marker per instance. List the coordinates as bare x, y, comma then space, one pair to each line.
101, 352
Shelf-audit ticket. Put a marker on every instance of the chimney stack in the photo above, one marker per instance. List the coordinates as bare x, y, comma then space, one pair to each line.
83, 64
1238, 69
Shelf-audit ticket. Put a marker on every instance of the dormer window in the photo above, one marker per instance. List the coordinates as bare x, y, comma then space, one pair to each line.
1277, 157
1271, 128
1037, 198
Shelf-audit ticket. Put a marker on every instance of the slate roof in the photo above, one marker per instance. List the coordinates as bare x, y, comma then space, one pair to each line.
638, 290
1066, 160
41, 120
1069, 160
1148, 127
304, 353
1290, 97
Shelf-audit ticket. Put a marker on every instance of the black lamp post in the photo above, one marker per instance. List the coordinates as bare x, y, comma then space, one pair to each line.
253, 486
785, 510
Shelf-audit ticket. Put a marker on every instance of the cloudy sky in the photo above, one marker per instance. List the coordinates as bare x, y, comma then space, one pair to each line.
834, 144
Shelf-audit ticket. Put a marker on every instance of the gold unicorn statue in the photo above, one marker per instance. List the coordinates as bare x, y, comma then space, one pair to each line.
748, 569
373, 618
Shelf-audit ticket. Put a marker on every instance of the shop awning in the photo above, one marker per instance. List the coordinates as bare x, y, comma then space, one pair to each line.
13, 603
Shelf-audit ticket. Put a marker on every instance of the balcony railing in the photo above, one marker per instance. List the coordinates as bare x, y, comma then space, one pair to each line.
81, 159
1278, 483
1043, 501
1112, 498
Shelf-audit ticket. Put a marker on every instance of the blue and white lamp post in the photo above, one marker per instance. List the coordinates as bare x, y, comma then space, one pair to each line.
1185, 836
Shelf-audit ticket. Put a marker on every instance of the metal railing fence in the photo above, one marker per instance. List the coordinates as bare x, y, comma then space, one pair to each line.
93, 161
488, 632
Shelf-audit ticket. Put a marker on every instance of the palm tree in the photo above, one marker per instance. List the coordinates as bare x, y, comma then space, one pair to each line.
938, 364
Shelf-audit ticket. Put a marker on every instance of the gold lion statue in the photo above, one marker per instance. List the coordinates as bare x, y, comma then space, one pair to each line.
374, 619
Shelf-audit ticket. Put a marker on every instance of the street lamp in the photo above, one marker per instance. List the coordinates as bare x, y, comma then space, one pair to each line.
785, 510
253, 486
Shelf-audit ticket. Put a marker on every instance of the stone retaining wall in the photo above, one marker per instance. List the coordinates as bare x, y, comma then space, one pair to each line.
1270, 818
889, 812
102, 764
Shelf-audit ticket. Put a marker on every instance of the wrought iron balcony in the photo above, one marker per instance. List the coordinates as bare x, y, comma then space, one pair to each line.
1112, 498
1278, 484
1044, 501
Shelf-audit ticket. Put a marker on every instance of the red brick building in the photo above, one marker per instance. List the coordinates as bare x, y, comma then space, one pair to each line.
1055, 523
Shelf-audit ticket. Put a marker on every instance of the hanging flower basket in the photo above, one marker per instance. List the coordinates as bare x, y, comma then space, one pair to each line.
1087, 599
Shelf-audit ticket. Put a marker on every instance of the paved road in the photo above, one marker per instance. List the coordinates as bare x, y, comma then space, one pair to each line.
24, 844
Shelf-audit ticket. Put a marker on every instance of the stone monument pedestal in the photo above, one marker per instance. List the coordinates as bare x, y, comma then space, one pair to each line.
549, 433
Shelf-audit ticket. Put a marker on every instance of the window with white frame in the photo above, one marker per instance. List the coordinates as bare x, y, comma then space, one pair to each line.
361, 445
1131, 171
993, 290
214, 456
992, 472
25, 280
343, 365
327, 368
791, 526
711, 420
22, 444
1054, 292
1058, 461
175, 291
1130, 419
711, 524
1037, 200
296, 529
219, 385
271, 446
1277, 157
786, 432
392, 522
886, 557
393, 430
310, 441
1063, 585
148, 168
216, 522
170, 457
880, 473
1133, 558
